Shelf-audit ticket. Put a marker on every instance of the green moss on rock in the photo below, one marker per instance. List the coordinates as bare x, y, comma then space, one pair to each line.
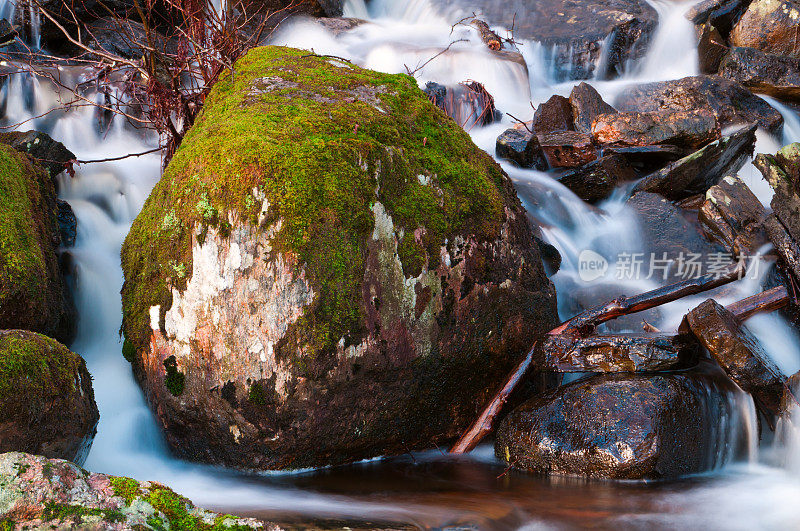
321, 141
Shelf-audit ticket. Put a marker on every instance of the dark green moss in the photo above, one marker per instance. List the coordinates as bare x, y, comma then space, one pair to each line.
257, 394
128, 351
174, 378
62, 511
322, 154
35, 366
23, 265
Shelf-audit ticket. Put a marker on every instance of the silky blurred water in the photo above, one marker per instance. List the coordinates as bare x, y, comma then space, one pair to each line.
429, 489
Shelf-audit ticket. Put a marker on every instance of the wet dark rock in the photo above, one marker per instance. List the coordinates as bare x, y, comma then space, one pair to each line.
769, 26
587, 105
596, 180
467, 103
697, 172
690, 129
622, 426
47, 397
721, 14
782, 172
553, 115
7, 33
331, 8
618, 353
711, 49
125, 38
670, 231
33, 295
521, 147
791, 394
732, 215
49, 153
567, 149
67, 224
775, 75
647, 159
729, 101
577, 30
551, 258
740, 354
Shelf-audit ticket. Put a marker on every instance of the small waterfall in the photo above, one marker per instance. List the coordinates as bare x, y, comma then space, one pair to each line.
673, 49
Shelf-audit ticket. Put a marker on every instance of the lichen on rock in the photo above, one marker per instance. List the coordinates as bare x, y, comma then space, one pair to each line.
331, 266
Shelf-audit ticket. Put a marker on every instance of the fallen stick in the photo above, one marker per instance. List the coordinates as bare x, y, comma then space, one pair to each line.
585, 323
485, 423
766, 301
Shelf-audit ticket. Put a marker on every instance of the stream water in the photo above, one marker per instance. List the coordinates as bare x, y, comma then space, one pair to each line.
429, 489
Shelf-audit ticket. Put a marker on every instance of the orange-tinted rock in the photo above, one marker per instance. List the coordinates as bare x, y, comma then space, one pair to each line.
567, 149
690, 129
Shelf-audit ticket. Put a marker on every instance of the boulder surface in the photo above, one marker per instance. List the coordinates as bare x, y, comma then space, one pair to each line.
623, 426
47, 399
33, 295
329, 270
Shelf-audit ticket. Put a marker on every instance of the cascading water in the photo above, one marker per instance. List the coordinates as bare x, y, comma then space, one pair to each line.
428, 489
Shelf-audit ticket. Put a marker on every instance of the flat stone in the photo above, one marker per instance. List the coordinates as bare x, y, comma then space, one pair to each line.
690, 129
729, 101
740, 354
596, 180
567, 149
697, 172
618, 353
775, 75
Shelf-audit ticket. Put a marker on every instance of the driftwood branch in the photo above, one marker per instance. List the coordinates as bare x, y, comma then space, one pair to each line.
766, 301
485, 423
585, 323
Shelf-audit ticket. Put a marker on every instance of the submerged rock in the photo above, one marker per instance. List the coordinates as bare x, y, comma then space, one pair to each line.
521, 147
729, 101
587, 105
618, 353
696, 173
597, 180
625, 426
48, 405
775, 75
580, 32
33, 295
690, 129
670, 232
41, 493
769, 26
740, 354
329, 270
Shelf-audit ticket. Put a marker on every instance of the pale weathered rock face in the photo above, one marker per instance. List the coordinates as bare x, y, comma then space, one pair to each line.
355, 296
41, 493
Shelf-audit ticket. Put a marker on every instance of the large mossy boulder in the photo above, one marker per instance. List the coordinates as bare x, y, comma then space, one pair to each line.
46, 399
33, 295
328, 270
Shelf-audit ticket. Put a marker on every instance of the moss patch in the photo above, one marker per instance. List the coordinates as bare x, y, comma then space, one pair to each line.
174, 378
23, 265
35, 366
321, 142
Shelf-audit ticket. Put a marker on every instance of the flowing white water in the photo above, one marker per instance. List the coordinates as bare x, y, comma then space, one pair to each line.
400, 36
